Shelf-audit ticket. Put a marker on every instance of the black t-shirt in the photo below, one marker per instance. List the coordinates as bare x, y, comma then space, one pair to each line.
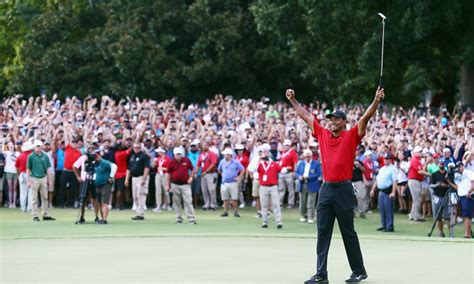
2, 164
438, 177
109, 155
137, 163
357, 173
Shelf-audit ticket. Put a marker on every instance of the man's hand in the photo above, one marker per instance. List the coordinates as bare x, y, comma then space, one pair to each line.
290, 94
28, 183
392, 195
126, 182
190, 180
379, 94
372, 193
143, 182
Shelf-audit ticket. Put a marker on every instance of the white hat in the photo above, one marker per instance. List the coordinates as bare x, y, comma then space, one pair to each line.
38, 143
178, 151
239, 147
190, 107
287, 142
446, 150
313, 144
227, 151
195, 142
160, 149
417, 149
307, 152
367, 153
264, 148
27, 146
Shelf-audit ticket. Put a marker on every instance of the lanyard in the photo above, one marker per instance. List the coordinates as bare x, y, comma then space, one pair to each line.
266, 167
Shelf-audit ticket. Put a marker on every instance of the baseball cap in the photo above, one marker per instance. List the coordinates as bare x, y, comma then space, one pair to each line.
178, 151
446, 150
388, 156
338, 114
368, 153
287, 142
195, 142
264, 147
417, 149
313, 144
38, 143
160, 149
227, 151
239, 147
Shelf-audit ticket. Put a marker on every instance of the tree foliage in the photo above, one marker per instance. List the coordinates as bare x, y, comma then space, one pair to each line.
327, 50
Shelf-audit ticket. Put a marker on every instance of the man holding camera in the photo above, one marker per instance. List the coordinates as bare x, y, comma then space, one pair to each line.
464, 184
37, 176
439, 185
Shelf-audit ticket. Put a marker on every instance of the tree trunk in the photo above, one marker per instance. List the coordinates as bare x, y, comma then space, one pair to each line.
466, 85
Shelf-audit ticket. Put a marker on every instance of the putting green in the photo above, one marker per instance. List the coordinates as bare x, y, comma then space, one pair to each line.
217, 250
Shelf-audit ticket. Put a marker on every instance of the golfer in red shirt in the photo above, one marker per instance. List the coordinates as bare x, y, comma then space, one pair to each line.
336, 196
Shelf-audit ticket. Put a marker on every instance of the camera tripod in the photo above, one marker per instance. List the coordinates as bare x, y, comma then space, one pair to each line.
83, 191
450, 199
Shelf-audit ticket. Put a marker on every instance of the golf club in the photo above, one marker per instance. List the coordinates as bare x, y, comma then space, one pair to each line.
383, 38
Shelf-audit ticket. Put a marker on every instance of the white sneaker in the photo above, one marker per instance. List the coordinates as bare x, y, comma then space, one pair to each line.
110, 207
145, 208
303, 220
254, 203
157, 210
242, 205
310, 221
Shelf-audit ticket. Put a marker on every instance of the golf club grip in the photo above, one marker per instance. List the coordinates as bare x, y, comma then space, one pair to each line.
380, 82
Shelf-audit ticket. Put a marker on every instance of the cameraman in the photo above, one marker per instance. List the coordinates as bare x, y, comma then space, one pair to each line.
439, 184
85, 164
464, 184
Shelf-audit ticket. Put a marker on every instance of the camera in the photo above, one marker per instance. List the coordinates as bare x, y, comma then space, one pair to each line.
90, 163
452, 169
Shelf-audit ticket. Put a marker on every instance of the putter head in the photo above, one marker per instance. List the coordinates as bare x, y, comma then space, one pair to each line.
382, 16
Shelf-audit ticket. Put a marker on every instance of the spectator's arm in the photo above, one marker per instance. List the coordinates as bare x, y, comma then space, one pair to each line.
300, 110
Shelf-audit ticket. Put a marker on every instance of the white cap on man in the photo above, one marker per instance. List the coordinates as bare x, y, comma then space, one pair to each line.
446, 150
287, 142
313, 144
178, 151
38, 143
195, 142
368, 153
160, 150
227, 151
27, 146
417, 149
307, 153
264, 148
239, 147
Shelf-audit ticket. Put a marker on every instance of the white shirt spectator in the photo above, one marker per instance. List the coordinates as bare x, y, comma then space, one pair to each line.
464, 182
10, 159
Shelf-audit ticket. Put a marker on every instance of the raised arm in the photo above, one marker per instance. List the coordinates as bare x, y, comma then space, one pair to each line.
300, 110
369, 113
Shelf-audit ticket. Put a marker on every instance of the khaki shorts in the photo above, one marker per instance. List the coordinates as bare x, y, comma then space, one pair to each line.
255, 188
11, 176
230, 191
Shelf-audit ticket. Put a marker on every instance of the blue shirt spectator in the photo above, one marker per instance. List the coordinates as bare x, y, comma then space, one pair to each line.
387, 176
229, 170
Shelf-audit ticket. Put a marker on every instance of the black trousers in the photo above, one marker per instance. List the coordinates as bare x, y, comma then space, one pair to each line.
68, 178
337, 202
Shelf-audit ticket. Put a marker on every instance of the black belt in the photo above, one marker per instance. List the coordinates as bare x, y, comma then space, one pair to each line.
39, 177
385, 190
337, 182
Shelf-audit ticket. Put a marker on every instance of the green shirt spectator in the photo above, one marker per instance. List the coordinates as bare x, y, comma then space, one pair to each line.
102, 172
433, 168
38, 164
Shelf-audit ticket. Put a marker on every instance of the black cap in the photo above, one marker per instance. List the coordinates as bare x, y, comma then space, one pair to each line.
389, 156
337, 113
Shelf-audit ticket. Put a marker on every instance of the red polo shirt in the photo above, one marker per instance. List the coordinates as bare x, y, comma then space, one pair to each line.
415, 166
206, 160
337, 153
21, 161
162, 162
244, 160
269, 169
70, 156
289, 159
369, 169
121, 158
179, 170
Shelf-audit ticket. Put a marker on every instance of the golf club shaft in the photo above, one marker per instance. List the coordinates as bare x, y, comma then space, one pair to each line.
381, 57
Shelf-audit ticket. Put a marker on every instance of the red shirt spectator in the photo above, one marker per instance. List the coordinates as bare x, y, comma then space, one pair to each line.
244, 160
337, 153
415, 166
121, 158
268, 173
162, 162
20, 162
179, 170
206, 160
70, 156
289, 159
369, 168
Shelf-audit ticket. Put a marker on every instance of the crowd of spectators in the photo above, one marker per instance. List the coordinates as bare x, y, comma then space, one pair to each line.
67, 129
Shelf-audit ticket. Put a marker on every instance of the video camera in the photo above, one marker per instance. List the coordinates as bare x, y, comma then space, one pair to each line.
452, 169
89, 165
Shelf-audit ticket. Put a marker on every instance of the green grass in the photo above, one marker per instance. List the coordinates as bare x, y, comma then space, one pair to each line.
217, 250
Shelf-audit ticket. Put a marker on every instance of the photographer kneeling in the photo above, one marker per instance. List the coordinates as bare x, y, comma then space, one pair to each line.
464, 184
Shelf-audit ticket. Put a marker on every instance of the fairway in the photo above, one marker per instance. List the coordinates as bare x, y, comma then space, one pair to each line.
217, 250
